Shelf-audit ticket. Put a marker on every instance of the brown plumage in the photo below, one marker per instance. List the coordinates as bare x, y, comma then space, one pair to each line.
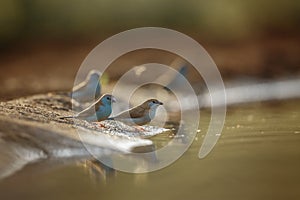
141, 114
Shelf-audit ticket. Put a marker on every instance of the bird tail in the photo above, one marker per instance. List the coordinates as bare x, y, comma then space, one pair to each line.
67, 117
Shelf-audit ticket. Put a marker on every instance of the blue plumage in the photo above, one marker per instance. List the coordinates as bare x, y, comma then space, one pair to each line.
98, 111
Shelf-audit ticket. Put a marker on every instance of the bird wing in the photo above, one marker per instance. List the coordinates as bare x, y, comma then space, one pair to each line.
136, 112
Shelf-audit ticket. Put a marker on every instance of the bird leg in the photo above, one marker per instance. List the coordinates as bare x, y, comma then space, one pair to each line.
99, 124
139, 128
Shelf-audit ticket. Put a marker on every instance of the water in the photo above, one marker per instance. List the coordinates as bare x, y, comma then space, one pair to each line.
257, 157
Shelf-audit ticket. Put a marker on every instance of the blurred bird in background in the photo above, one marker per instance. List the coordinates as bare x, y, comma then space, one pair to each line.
88, 90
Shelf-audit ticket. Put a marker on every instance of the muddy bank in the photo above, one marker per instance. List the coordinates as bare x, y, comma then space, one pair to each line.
31, 130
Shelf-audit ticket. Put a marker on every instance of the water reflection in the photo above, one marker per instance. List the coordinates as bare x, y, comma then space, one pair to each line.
97, 171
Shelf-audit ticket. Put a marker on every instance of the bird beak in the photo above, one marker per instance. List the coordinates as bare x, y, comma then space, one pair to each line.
160, 103
113, 99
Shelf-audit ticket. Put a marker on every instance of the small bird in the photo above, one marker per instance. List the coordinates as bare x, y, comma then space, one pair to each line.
139, 115
98, 111
89, 89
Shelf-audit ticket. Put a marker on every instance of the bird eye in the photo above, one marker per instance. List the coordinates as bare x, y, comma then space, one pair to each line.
108, 98
153, 101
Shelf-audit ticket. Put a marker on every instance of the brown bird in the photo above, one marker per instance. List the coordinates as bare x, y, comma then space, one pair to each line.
139, 115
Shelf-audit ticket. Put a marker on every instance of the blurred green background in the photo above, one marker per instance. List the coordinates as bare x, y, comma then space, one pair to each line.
50, 39
217, 20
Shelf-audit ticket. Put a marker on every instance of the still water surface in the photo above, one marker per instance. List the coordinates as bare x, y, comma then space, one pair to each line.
257, 157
